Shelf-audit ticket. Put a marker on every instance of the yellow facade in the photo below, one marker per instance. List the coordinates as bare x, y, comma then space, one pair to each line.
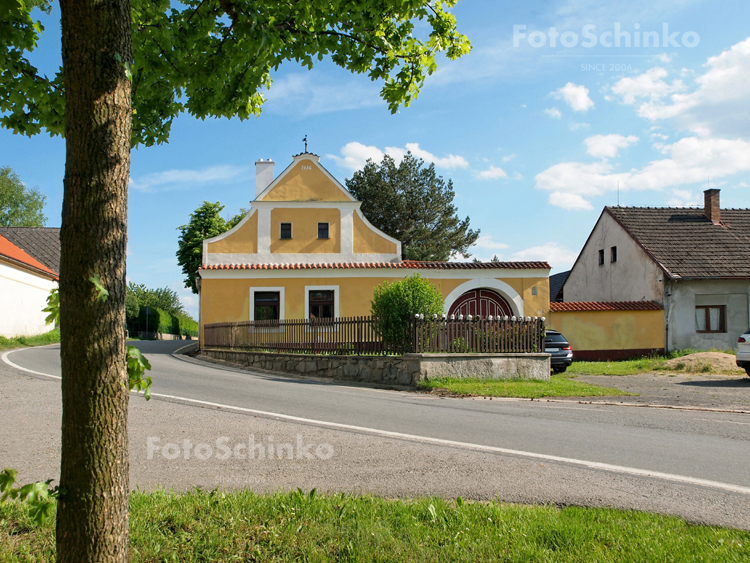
244, 239
305, 182
611, 330
367, 241
305, 230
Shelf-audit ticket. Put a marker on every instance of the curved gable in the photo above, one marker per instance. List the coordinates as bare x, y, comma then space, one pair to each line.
242, 239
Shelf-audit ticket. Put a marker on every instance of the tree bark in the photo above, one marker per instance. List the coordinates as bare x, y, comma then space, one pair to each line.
92, 514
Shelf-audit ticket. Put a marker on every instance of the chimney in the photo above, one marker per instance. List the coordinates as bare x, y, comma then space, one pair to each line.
263, 175
711, 205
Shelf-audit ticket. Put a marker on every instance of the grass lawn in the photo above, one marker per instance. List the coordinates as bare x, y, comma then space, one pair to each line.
633, 367
303, 527
51, 337
558, 386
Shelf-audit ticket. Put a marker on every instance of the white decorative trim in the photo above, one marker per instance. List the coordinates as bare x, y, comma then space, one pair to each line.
341, 205
334, 288
254, 290
224, 235
514, 300
346, 237
397, 273
215, 259
264, 231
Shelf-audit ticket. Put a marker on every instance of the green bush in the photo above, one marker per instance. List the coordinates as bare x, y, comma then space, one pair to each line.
396, 304
163, 322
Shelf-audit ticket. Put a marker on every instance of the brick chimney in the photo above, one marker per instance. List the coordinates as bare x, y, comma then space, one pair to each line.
711, 205
263, 175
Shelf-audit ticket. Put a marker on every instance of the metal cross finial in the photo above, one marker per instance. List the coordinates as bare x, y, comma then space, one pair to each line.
305, 141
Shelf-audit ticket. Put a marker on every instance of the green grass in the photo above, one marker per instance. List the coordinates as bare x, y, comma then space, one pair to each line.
51, 337
301, 527
639, 365
557, 386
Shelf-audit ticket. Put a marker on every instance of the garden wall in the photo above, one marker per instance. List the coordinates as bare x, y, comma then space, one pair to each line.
405, 370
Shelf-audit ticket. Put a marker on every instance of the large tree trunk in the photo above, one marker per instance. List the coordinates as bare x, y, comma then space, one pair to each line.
92, 515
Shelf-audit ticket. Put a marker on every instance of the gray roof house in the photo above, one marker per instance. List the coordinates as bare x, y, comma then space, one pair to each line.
694, 262
42, 243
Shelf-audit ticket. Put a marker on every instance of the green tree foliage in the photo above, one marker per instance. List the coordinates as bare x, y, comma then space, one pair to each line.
160, 298
411, 203
213, 59
19, 206
205, 222
396, 304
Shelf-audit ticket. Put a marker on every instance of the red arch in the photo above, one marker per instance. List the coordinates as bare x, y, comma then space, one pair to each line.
482, 302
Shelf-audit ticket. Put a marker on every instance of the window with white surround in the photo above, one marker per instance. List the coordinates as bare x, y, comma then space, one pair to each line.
267, 303
321, 301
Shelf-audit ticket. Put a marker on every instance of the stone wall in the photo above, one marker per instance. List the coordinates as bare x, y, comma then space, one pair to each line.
405, 370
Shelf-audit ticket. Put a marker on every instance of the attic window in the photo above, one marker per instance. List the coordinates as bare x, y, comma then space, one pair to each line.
601, 257
286, 231
613, 254
323, 230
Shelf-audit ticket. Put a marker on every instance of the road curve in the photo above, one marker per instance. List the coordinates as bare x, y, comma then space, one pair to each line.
693, 464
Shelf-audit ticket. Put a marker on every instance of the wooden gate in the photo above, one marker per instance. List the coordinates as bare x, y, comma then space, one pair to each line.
482, 302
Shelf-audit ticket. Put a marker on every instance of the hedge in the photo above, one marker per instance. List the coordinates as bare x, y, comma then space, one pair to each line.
163, 322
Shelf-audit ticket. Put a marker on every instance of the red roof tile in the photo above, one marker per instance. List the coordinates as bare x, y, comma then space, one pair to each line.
406, 264
10, 250
581, 306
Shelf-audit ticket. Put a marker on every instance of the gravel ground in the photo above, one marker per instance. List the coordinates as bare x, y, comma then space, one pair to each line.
682, 390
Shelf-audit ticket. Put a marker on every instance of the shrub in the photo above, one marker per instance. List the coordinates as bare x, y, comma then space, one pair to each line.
395, 305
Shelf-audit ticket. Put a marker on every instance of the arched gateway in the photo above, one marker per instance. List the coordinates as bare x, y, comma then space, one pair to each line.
482, 302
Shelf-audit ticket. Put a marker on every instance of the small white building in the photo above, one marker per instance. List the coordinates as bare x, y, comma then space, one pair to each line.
694, 262
25, 283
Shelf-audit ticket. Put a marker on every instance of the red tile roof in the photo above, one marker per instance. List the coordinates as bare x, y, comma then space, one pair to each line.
405, 264
15, 254
580, 306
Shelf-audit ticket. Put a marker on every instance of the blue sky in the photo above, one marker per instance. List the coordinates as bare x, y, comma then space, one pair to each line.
536, 137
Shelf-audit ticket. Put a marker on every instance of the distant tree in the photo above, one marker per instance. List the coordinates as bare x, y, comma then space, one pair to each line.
19, 206
205, 222
160, 298
132, 307
411, 203
395, 304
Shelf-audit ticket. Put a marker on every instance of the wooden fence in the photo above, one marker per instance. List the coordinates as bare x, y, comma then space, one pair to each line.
361, 335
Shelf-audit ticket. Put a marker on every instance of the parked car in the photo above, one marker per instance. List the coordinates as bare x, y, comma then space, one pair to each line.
743, 351
559, 349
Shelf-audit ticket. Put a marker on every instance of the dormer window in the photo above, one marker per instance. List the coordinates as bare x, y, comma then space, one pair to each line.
323, 230
286, 231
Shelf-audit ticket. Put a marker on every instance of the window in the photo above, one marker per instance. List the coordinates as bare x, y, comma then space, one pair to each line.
322, 230
601, 257
710, 318
321, 304
266, 306
286, 230
613, 254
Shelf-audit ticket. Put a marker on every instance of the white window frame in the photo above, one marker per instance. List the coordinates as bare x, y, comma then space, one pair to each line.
254, 290
334, 288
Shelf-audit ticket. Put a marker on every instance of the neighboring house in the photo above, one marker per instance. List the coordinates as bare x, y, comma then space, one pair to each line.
306, 250
41, 243
25, 284
693, 262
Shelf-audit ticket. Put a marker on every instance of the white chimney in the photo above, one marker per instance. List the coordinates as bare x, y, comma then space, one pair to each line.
263, 175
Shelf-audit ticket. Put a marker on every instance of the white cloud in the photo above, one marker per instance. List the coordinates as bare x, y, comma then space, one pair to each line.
577, 97
180, 178
509, 157
517, 176
554, 113
683, 198
688, 161
663, 58
559, 257
355, 155
488, 243
608, 146
576, 126
315, 92
492, 173
650, 85
717, 105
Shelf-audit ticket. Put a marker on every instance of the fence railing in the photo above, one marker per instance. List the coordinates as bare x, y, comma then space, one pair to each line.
361, 335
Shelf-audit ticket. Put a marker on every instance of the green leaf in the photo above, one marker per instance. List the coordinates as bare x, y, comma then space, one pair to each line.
53, 307
7, 480
102, 292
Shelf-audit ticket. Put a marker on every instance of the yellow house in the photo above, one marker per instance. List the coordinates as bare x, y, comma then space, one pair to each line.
306, 250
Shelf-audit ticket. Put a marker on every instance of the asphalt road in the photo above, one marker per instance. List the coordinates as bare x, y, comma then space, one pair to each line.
343, 438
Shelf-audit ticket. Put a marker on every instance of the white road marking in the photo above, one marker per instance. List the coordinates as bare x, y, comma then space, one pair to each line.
441, 442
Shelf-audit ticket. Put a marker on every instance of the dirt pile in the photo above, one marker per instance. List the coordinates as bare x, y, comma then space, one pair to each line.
704, 362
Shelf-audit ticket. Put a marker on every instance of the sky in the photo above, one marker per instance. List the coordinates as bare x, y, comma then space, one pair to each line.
562, 107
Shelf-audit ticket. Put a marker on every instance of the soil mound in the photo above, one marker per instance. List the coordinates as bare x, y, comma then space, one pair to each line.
705, 362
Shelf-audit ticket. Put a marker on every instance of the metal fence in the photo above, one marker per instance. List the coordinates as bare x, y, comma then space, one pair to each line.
362, 335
